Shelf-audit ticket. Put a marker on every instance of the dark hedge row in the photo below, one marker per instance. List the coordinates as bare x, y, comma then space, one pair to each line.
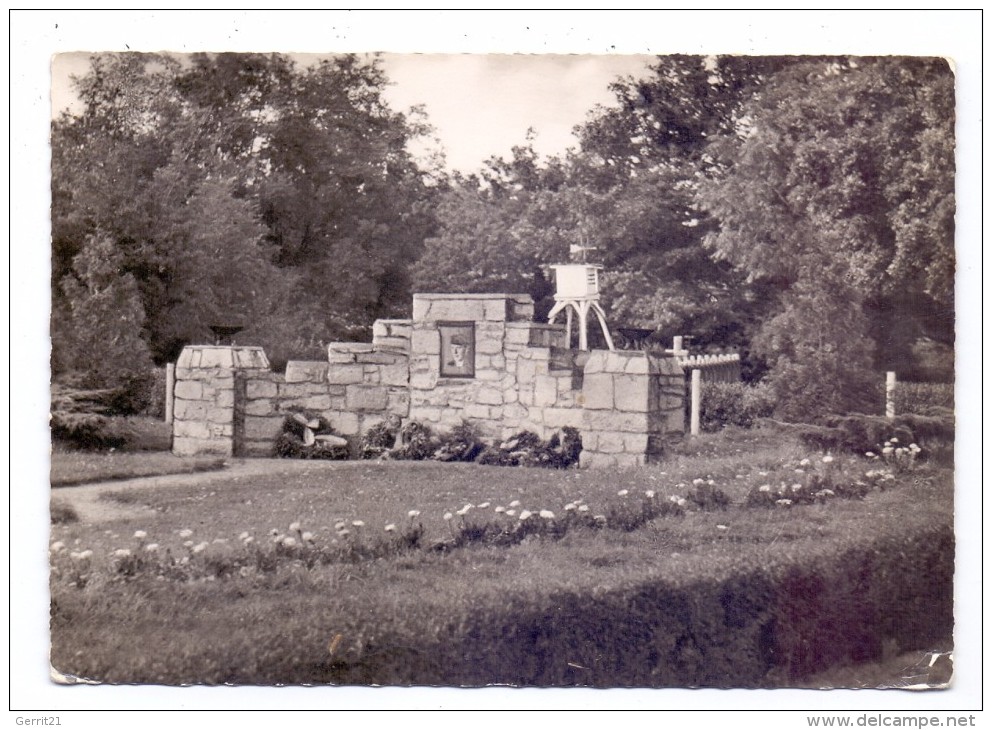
770, 625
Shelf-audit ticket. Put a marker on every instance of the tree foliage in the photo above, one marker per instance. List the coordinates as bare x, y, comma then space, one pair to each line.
241, 188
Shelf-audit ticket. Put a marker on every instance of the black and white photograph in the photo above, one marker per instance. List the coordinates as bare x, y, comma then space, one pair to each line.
504, 371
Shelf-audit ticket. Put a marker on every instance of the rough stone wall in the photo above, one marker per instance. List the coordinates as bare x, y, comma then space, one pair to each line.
633, 404
491, 399
626, 404
203, 410
357, 388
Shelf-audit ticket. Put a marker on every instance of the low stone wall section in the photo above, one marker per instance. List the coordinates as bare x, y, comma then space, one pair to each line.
358, 388
633, 405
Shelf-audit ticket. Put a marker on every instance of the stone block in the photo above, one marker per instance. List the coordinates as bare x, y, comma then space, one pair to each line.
188, 390
399, 403
393, 344
301, 371
189, 410
260, 389
191, 429
259, 407
491, 376
426, 342
635, 443
496, 310
609, 442
345, 374
425, 413
259, 428
561, 417
316, 402
609, 420
489, 396
637, 366
526, 371
225, 399
597, 390
631, 393
220, 415
340, 358
370, 398
397, 374
183, 446
477, 410
545, 390
515, 412
216, 357
372, 375
517, 333
423, 381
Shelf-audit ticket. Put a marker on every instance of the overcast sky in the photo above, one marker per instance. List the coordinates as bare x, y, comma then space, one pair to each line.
480, 105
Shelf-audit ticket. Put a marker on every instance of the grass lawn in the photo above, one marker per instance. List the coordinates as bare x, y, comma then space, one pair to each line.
83, 467
366, 591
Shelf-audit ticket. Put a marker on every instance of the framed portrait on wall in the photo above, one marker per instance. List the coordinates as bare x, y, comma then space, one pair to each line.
457, 349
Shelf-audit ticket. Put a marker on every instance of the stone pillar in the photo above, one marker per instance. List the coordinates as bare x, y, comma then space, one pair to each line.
204, 409
633, 403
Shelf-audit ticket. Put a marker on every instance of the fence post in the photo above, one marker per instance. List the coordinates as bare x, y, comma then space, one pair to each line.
694, 408
170, 385
890, 394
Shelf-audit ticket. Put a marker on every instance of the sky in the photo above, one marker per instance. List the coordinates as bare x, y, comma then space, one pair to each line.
480, 105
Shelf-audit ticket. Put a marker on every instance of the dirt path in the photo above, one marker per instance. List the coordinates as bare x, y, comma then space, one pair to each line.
87, 501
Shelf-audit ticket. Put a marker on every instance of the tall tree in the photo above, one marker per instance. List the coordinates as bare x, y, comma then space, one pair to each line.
838, 182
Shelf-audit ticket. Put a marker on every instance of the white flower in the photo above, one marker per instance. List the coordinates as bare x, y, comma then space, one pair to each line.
525, 515
870, 454
448, 515
499, 509
783, 502
188, 544
289, 542
140, 534
583, 508
151, 547
86, 555
515, 503
344, 533
413, 513
185, 533
765, 488
547, 514
569, 507
184, 560
483, 505
120, 553
295, 527
249, 540
697, 482
467, 507
307, 537
511, 512
357, 523
825, 493
914, 448
622, 493
649, 494
796, 487
390, 527
893, 440
827, 459
711, 482
804, 462
201, 547
600, 519
681, 502
57, 547
887, 450
274, 532
243, 536
721, 527
462, 512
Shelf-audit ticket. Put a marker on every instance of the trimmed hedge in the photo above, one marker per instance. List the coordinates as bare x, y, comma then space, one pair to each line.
759, 627
927, 399
734, 404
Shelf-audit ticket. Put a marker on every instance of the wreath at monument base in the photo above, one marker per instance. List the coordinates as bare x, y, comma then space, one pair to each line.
308, 436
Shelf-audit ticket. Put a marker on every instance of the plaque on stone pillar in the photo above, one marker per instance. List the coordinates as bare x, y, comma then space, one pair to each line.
457, 349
